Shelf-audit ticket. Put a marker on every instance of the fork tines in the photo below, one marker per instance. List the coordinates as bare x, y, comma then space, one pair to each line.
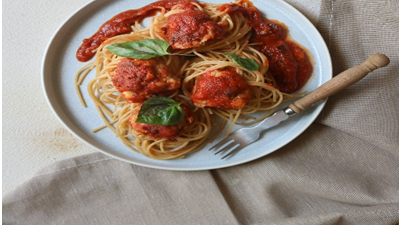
227, 144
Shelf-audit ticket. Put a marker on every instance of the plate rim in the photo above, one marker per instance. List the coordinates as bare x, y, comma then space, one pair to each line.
316, 113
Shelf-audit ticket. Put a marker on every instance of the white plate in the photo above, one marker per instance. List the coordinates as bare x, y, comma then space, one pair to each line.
59, 67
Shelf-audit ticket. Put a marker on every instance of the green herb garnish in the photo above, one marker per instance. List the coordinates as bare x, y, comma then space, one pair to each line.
142, 49
160, 111
248, 64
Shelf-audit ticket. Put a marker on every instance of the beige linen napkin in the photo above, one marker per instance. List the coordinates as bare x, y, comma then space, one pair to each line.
342, 170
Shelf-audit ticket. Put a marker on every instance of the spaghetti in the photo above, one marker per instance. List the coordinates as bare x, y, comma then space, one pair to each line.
206, 79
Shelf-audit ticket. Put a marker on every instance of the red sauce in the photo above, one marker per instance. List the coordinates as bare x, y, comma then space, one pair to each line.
158, 131
222, 88
120, 24
191, 28
288, 61
138, 79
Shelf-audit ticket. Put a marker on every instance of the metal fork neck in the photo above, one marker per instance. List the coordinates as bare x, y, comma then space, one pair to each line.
289, 111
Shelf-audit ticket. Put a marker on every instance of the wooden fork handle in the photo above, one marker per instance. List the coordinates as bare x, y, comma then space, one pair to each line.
341, 81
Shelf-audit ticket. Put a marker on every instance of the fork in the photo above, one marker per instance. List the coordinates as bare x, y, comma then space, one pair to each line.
245, 136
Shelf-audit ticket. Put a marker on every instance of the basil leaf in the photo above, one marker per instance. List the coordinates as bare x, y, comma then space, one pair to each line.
248, 64
160, 111
142, 49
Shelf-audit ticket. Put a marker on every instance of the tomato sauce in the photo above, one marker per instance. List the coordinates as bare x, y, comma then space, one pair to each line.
288, 61
222, 88
120, 24
191, 28
138, 79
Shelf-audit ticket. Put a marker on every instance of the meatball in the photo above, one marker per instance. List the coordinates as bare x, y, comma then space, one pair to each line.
191, 28
139, 79
221, 88
163, 132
